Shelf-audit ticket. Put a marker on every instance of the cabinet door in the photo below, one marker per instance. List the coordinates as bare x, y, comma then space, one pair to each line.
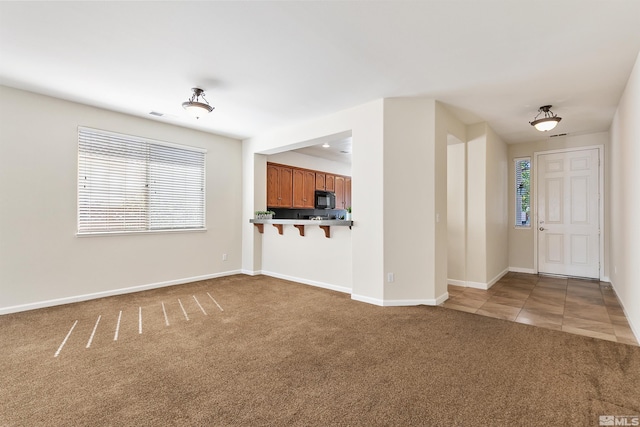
273, 186
309, 189
319, 181
347, 191
339, 182
286, 188
298, 188
330, 183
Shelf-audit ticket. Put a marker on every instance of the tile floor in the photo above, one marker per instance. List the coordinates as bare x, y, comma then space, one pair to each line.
580, 307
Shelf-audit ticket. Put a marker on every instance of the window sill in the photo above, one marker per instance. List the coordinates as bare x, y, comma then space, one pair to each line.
129, 233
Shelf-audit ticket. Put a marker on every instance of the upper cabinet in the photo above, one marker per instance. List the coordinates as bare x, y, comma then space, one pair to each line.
291, 187
279, 186
340, 192
304, 185
325, 181
347, 192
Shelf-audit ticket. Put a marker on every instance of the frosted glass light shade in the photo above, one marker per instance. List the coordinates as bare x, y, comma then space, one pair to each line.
196, 109
546, 124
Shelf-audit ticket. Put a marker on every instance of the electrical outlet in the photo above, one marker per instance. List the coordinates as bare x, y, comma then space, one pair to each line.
390, 277
224, 257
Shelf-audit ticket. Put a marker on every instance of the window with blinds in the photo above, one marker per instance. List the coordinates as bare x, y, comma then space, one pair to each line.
132, 184
523, 192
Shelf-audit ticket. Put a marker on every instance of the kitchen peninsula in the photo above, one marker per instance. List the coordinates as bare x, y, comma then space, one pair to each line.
324, 224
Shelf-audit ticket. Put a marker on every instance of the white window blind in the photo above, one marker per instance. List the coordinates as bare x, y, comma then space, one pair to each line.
132, 184
523, 192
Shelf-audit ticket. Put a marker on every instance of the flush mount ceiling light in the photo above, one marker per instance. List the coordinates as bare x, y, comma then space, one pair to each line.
548, 122
326, 145
194, 106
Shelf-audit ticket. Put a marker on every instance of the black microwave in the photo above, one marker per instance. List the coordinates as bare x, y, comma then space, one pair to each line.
325, 200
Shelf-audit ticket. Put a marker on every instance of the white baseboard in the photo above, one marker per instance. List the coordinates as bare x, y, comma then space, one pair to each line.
634, 328
307, 282
103, 294
478, 285
455, 282
605, 279
368, 300
401, 302
498, 277
522, 270
250, 272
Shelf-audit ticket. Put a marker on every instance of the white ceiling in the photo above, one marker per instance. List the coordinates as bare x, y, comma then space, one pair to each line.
271, 64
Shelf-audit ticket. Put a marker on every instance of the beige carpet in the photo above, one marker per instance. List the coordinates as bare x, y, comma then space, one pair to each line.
257, 351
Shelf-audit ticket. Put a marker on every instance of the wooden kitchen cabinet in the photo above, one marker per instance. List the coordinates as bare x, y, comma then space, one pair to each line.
347, 191
325, 182
294, 188
304, 185
279, 186
330, 183
339, 190
320, 179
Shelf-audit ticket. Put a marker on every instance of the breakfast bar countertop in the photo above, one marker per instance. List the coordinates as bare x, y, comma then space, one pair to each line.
325, 224
330, 222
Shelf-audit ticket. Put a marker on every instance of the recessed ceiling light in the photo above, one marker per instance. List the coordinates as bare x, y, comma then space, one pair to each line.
326, 145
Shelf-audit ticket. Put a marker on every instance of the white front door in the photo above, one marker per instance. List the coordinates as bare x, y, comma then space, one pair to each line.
568, 209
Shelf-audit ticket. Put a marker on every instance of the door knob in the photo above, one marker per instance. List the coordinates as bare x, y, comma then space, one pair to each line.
541, 228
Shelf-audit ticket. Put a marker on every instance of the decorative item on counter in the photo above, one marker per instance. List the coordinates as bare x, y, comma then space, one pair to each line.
264, 214
348, 214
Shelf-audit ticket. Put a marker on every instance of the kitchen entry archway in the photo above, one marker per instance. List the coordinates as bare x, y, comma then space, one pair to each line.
569, 212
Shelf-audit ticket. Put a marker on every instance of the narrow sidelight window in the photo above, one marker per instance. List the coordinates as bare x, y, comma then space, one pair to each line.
131, 184
523, 192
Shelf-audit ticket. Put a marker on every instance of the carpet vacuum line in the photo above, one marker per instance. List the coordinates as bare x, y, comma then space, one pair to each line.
93, 332
198, 302
65, 339
215, 301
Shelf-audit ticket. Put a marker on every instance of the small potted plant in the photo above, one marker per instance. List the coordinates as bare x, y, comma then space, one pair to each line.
264, 214
348, 215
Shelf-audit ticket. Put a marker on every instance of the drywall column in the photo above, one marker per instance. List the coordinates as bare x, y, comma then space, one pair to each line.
409, 211
476, 205
487, 209
254, 197
456, 212
415, 202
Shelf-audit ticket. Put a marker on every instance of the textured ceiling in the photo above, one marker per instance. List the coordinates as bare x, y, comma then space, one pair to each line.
270, 64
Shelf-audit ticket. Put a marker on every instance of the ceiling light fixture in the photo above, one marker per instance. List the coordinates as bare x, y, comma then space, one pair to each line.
194, 106
326, 145
548, 122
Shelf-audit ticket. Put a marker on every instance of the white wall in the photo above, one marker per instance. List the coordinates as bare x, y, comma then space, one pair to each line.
476, 203
42, 262
304, 161
497, 224
313, 258
521, 240
624, 197
409, 199
487, 220
456, 213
